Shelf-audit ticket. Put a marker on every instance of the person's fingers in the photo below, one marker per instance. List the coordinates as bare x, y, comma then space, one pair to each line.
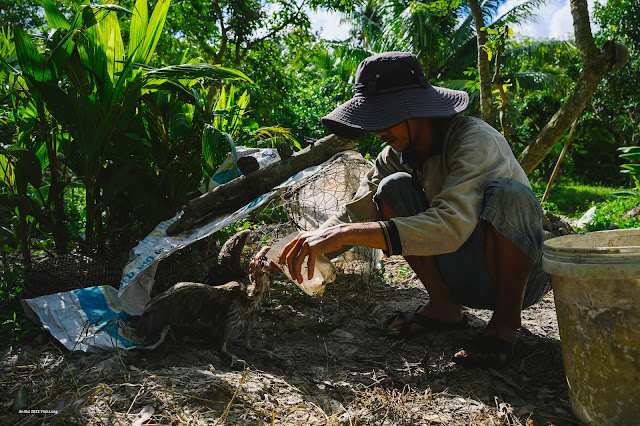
273, 267
311, 264
298, 261
287, 249
254, 270
292, 260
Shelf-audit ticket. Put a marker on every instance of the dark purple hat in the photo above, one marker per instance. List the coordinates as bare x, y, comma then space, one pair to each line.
391, 88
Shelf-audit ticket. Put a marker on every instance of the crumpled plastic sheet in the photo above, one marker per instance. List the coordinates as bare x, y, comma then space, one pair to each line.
100, 318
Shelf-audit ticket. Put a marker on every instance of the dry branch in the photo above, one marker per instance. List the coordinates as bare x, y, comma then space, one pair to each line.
231, 196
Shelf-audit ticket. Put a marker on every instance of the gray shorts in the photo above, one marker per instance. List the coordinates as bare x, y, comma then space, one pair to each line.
510, 207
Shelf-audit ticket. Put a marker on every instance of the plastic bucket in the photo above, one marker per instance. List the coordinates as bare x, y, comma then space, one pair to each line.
596, 286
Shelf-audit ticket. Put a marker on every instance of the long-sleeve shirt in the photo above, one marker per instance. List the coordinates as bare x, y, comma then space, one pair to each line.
461, 162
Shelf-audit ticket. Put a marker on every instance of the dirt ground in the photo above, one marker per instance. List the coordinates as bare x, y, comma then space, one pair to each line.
334, 366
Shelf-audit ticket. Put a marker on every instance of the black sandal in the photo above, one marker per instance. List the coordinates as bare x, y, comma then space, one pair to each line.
491, 347
428, 324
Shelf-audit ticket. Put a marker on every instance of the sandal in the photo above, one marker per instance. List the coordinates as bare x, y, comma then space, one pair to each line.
428, 324
488, 350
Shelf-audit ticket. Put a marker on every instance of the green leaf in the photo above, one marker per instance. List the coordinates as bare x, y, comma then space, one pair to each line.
633, 167
55, 18
138, 28
211, 138
32, 63
61, 53
634, 156
111, 40
7, 174
154, 31
27, 168
126, 73
194, 72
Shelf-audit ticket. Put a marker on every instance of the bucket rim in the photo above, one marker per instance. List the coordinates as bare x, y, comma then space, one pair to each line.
556, 246
588, 255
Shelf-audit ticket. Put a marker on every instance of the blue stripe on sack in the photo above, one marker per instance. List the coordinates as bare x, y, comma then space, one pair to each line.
225, 176
93, 303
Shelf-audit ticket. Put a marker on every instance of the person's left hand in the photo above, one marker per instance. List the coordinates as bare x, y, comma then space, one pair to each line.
311, 244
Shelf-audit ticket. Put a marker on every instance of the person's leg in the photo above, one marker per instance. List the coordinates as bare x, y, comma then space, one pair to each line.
399, 191
509, 268
509, 264
492, 268
442, 306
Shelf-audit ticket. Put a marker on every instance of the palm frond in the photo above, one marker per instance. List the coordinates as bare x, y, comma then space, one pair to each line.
153, 32
541, 51
536, 80
32, 63
55, 18
193, 72
271, 136
138, 28
211, 149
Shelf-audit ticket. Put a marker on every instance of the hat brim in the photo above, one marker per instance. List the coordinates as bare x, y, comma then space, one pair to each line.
362, 114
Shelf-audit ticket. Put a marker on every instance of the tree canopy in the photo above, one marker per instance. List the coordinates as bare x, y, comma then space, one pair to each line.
135, 103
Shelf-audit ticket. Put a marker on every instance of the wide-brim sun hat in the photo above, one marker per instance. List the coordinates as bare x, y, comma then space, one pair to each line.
391, 88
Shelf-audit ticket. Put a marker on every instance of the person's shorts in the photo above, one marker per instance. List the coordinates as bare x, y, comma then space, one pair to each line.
510, 207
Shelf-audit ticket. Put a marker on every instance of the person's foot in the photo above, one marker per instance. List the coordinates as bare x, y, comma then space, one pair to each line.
425, 318
494, 346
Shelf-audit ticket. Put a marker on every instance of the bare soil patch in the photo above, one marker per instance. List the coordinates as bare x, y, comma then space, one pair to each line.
337, 368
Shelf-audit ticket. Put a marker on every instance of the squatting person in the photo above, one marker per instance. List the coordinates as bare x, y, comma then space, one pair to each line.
448, 195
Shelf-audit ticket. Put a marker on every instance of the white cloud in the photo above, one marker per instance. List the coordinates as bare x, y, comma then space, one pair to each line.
552, 20
328, 25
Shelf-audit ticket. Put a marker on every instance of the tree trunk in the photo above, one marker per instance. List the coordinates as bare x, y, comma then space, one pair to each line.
25, 245
56, 190
595, 65
231, 196
486, 97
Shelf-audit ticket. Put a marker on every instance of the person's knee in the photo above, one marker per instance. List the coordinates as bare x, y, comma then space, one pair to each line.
513, 210
513, 195
398, 193
391, 186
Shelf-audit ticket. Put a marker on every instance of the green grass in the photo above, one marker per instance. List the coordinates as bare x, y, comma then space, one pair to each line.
573, 200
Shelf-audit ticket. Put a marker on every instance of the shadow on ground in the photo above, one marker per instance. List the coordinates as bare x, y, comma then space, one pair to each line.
337, 368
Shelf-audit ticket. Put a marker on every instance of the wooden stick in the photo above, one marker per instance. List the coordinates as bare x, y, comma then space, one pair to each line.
565, 148
231, 196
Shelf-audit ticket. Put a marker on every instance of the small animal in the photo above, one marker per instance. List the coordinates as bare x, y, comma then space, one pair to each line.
228, 301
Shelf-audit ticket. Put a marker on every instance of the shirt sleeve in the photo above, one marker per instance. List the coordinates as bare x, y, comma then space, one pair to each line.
474, 159
362, 208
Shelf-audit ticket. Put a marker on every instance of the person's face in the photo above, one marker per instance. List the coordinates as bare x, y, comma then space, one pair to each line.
396, 137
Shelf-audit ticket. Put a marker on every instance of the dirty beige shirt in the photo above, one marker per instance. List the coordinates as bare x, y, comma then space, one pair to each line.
473, 153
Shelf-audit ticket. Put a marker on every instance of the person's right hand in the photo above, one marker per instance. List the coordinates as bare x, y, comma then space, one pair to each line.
259, 263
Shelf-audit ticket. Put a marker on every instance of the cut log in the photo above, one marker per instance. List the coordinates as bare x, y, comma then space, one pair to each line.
231, 196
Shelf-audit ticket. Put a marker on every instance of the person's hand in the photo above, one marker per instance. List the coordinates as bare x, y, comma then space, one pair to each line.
310, 244
259, 263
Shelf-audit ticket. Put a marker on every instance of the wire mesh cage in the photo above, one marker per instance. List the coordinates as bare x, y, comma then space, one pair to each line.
309, 203
68, 272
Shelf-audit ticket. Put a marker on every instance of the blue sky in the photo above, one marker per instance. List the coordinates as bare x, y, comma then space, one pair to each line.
553, 21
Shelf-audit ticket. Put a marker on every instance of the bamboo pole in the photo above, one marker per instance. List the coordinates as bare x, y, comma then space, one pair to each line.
565, 148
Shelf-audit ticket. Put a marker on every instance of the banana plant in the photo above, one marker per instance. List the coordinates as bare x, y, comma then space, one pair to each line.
93, 86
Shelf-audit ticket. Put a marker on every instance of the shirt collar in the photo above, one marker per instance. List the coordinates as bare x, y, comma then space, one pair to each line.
409, 155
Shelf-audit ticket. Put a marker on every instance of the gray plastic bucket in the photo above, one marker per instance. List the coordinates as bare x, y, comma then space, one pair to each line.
596, 286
